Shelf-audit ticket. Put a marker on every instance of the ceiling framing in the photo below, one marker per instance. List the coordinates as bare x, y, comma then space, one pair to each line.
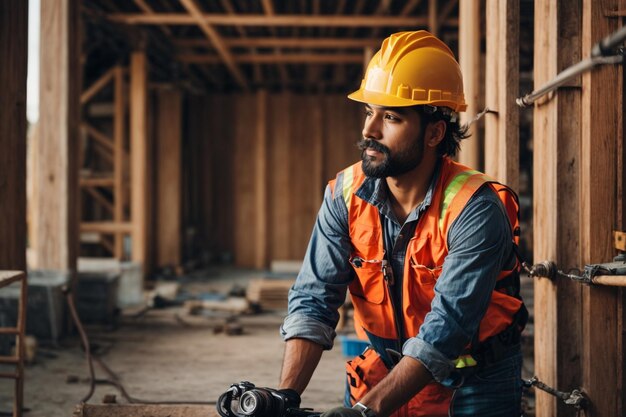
244, 45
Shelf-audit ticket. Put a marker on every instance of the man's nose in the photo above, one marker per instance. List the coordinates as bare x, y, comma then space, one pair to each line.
371, 128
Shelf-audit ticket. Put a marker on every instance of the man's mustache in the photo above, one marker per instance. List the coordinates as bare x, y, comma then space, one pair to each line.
364, 144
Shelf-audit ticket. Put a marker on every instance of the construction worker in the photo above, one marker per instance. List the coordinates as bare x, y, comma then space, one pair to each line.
426, 247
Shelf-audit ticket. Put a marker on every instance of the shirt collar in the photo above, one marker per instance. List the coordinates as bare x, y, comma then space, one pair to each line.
374, 191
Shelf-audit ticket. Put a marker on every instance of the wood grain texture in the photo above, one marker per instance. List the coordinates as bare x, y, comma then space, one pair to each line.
260, 258
470, 34
13, 53
139, 156
55, 203
502, 85
168, 134
119, 129
558, 329
601, 131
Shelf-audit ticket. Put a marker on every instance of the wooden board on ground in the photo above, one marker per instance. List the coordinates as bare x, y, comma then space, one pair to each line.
269, 294
144, 410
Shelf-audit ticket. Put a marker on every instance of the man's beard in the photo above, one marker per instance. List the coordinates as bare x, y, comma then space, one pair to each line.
391, 165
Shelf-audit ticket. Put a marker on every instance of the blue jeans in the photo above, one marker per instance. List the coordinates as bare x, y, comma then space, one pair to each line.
494, 391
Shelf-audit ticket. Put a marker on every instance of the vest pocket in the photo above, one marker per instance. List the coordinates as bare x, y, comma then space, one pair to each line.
363, 373
369, 284
423, 275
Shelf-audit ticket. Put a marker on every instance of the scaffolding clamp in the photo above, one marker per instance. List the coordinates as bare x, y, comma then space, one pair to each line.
575, 398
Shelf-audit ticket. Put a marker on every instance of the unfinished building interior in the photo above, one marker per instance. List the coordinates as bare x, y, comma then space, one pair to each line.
169, 182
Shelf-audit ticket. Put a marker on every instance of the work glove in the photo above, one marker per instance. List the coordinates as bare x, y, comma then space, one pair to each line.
292, 396
342, 412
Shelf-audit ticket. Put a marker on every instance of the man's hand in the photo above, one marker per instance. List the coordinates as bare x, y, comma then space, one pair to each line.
342, 412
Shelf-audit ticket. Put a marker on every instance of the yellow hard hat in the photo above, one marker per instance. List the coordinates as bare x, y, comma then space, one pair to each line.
412, 68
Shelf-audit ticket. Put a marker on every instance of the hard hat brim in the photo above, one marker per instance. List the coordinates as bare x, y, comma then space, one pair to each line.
388, 100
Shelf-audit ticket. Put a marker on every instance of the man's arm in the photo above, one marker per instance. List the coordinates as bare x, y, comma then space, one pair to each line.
300, 360
406, 379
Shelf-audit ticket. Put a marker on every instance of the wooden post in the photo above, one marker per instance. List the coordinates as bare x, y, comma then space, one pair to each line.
558, 327
470, 34
13, 53
602, 122
139, 157
55, 204
119, 118
169, 178
433, 21
502, 75
261, 213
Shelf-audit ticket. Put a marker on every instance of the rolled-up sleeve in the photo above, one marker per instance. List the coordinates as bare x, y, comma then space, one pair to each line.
320, 288
479, 246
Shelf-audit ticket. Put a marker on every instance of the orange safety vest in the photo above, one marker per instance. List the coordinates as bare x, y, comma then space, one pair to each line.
425, 254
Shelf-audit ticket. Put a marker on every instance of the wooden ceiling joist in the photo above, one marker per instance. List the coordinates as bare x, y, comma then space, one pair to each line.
334, 43
198, 18
274, 59
262, 20
98, 85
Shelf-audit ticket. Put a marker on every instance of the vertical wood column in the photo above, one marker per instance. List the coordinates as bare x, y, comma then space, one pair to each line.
169, 178
469, 59
13, 53
558, 327
602, 113
139, 158
55, 204
119, 123
261, 179
502, 86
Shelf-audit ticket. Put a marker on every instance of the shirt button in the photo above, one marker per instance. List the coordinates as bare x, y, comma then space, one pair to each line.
400, 236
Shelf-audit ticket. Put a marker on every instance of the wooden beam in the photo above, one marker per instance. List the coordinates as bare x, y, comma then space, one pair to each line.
119, 126
445, 12
602, 131
470, 61
276, 20
301, 58
409, 7
98, 136
194, 10
261, 182
13, 53
433, 22
97, 182
313, 43
56, 201
556, 206
169, 178
502, 87
103, 201
98, 85
106, 227
139, 156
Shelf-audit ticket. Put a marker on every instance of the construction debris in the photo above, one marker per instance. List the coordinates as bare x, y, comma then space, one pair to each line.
269, 294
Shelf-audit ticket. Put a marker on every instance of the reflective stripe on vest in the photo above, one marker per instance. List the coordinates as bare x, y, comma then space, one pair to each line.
453, 189
348, 179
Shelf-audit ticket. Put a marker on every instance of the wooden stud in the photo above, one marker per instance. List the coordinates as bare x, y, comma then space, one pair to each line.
98, 136
556, 205
139, 157
261, 260
502, 75
55, 203
13, 53
119, 126
433, 21
97, 196
470, 62
169, 182
329, 43
602, 124
293, 58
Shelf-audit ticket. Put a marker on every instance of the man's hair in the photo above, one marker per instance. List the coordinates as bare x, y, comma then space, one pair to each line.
455, 131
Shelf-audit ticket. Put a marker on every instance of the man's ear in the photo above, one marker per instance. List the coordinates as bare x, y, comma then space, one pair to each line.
434, 134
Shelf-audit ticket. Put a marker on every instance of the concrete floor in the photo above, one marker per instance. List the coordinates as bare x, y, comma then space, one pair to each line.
168, 355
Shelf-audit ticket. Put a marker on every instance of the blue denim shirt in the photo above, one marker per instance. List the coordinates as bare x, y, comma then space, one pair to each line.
479, 247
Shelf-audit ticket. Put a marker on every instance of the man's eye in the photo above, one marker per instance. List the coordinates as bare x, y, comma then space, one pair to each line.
368, 113
391, 117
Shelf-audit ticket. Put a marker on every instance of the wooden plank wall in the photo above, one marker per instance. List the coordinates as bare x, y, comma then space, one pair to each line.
602, 130
13, 53
308, 139
578, 195
558, 325
55, 204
